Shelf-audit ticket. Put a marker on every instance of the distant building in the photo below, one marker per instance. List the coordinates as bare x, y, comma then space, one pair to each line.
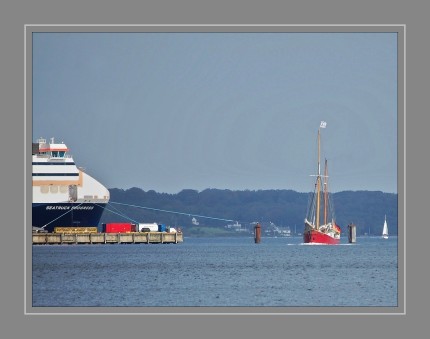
236, 227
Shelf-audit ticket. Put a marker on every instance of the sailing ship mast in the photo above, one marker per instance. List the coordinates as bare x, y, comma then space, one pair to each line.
318, 183
325, 192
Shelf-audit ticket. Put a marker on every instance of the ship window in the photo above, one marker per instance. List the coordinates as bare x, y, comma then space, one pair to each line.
54, 154
54, 189
64, 189
61, 154
44, 189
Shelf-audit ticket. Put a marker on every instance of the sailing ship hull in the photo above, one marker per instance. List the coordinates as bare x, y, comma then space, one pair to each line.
316, 237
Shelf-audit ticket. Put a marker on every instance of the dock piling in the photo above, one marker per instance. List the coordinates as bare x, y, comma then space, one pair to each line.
352, 234
257, 233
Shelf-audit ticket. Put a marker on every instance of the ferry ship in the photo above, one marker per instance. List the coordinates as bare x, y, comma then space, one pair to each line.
63, 194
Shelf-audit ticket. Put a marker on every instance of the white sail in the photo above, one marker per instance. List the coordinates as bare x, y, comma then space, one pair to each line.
385, 229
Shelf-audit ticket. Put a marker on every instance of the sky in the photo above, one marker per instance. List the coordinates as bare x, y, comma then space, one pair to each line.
238, 111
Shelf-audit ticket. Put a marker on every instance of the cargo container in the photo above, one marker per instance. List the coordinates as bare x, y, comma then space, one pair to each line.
119, 227
162, 228
142, 227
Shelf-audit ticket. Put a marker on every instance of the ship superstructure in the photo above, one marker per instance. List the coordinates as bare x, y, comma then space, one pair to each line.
63, 194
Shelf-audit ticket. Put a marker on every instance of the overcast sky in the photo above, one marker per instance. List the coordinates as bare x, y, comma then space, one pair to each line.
173, 111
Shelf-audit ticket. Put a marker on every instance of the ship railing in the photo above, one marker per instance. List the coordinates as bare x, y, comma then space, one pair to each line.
65, 156
46, 155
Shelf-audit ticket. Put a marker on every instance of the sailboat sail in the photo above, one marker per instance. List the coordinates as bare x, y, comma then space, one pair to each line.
385, 229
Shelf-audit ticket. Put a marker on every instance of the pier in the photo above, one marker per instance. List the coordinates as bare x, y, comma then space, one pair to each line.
107, 238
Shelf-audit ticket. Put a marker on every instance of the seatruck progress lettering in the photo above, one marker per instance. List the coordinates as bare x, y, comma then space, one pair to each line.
65, 208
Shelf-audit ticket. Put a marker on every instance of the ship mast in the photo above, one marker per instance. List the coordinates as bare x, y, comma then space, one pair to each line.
325, 192
318, 184
322, 125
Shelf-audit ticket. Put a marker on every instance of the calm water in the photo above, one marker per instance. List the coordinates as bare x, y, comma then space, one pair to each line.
217, 272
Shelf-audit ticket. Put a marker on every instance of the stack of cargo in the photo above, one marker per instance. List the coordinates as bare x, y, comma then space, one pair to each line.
75, 230
121, 227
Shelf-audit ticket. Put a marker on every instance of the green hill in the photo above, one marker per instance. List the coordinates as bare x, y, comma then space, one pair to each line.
217, 208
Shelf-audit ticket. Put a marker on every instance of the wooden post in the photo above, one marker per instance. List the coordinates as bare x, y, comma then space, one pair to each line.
257, 233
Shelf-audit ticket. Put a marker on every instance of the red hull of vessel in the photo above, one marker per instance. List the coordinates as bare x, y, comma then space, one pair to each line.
316, 237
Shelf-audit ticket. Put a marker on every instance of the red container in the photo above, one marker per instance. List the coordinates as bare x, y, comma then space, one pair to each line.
119, 227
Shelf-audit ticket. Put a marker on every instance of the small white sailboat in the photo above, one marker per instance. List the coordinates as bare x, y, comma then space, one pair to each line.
385, 229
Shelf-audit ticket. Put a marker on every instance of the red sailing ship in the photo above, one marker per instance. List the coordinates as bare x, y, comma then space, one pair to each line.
318, 231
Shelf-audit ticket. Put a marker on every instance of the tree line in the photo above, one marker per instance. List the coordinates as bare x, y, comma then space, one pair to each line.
217, 207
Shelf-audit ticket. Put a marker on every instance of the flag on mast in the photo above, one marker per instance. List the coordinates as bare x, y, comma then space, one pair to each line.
323, 124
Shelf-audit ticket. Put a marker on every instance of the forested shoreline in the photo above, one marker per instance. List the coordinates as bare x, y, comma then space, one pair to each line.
217, 207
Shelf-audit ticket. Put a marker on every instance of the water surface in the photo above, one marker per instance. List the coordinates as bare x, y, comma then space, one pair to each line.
217, 272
